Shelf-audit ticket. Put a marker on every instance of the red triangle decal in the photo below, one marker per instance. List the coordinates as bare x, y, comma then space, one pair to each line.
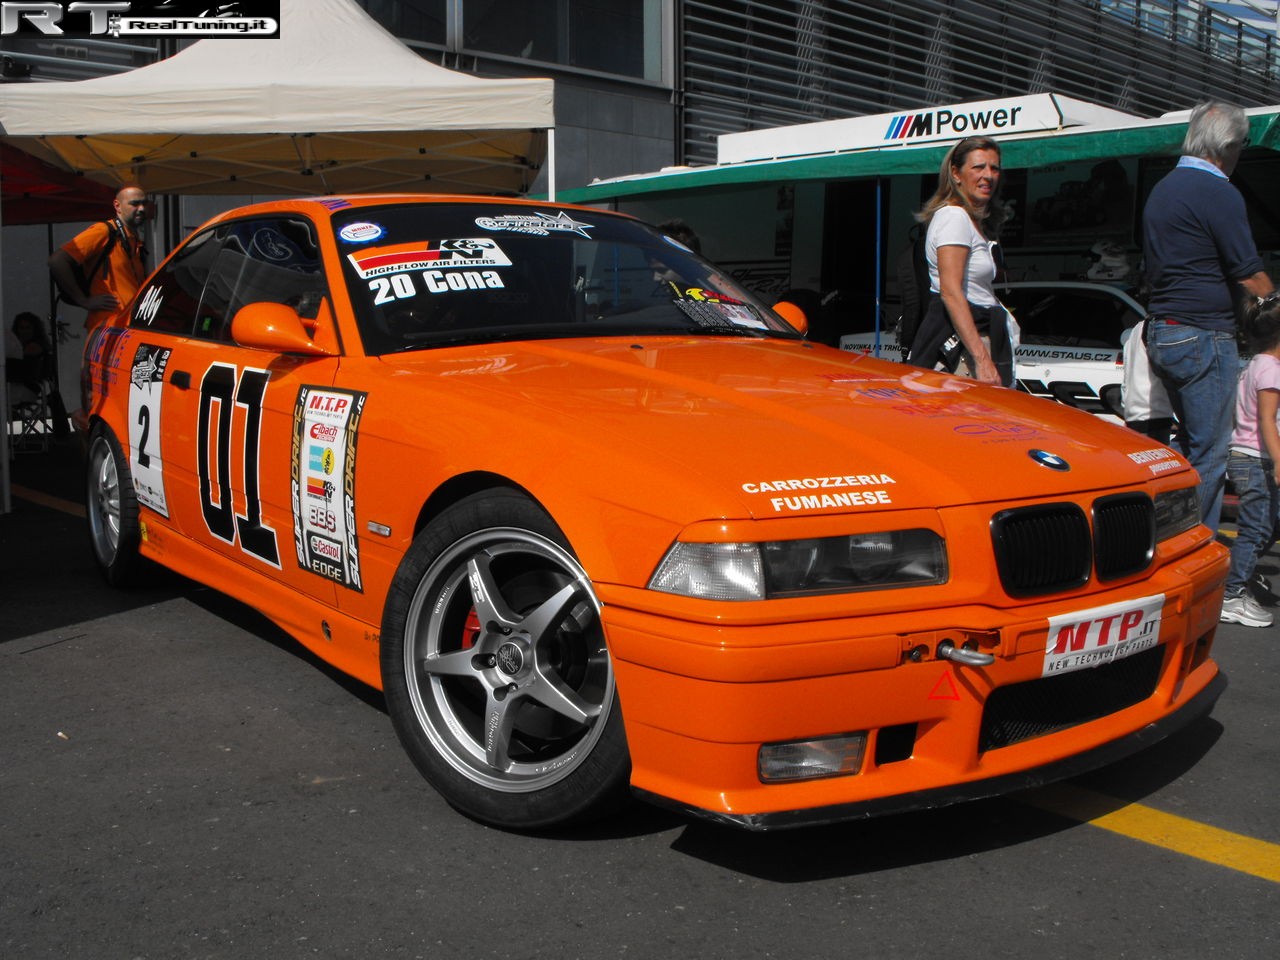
945, 688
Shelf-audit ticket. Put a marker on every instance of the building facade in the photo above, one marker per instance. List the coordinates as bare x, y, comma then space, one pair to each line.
644, 84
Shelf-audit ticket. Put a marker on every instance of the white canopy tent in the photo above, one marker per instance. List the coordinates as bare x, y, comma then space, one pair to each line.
336, 104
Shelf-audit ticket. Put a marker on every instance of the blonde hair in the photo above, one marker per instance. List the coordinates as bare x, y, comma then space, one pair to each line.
949, 193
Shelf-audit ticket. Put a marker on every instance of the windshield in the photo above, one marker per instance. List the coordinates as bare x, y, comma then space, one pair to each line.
435, 274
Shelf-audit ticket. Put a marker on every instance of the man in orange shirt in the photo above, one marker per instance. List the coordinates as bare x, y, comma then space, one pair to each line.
101, 268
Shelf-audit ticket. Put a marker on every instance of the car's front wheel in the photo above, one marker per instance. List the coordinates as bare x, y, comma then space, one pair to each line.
495, 668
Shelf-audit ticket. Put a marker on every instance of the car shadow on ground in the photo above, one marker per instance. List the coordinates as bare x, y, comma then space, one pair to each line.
810, 853
50, 579
252, 622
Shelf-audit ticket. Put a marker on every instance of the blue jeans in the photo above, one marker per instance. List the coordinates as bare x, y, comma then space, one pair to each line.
1200, 369
1255, 484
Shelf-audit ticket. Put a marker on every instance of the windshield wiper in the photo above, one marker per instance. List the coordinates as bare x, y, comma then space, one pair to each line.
699, 330
424, 342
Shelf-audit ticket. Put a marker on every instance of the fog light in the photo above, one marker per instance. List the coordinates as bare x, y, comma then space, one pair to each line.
811, 759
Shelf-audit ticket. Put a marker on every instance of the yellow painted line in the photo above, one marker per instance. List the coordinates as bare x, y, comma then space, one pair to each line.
1191, 838
45, 500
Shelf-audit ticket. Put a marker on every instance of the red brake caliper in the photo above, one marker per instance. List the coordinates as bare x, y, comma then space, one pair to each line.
471, 630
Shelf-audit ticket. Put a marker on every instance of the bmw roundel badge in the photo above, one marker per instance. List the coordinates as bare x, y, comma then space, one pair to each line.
1047, 459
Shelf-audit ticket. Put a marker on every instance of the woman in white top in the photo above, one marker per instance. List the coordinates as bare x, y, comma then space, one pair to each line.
965, 327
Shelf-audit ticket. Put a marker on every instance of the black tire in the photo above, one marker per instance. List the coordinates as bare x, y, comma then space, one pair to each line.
496, 672
111, 506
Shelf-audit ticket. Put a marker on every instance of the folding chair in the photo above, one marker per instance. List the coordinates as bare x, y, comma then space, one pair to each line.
30, 419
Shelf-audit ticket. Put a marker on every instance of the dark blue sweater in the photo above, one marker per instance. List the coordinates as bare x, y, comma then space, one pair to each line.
1198, 246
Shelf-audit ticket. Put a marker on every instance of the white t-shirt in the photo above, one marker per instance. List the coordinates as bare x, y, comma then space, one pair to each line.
951, 226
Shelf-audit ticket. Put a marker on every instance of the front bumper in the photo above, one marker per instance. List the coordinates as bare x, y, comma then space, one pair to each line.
699, 699
1194, 709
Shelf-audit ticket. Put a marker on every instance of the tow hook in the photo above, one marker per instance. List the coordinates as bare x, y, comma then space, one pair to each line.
970, 658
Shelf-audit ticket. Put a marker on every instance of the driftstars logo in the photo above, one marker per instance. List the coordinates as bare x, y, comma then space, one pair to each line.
201, 19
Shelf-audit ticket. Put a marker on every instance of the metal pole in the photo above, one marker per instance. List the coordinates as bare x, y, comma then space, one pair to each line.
53, 302
6, 502
551, 164
879, 212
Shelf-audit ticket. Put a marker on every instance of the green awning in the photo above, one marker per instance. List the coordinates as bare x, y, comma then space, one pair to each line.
1150, 138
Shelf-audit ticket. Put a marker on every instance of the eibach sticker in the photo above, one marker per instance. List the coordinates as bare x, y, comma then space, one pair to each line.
427, 254
146, 391
326, 426
536, 224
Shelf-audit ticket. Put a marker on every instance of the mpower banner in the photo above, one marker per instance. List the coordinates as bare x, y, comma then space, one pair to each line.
200, 19
1033, 113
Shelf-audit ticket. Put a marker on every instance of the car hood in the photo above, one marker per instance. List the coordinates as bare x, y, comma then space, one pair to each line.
772, 427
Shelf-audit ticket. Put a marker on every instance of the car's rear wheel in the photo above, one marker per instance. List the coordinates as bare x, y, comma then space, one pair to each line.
495, 668
112, 509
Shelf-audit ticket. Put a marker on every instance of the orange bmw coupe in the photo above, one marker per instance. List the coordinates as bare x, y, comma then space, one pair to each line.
596, 519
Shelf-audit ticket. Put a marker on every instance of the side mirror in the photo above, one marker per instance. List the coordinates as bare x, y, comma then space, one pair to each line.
274, 327
793, 315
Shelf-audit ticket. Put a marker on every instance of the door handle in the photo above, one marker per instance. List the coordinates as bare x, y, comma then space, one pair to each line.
180, 379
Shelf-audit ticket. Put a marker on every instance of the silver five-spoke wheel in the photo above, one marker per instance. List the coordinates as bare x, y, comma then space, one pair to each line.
510, 670
508, 694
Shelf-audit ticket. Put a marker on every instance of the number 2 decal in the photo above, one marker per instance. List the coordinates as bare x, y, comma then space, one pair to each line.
146, 414
144, 421
221, 393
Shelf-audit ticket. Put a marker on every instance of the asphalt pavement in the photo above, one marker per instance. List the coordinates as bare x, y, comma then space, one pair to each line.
180, 779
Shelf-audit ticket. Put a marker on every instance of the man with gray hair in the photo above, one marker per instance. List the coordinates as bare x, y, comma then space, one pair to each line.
1201, 262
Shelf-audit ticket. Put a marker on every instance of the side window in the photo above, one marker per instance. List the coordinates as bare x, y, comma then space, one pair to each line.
170, 300
271, 260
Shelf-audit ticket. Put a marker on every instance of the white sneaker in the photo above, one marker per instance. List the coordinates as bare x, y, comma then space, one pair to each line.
1245, 610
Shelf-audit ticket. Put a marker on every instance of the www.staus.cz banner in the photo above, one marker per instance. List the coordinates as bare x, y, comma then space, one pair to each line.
201, 19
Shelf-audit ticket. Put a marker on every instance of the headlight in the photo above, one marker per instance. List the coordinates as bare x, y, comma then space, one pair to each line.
789, 568
1177, 511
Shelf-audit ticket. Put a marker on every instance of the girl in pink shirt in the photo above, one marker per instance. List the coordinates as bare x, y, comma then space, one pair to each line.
1254, 461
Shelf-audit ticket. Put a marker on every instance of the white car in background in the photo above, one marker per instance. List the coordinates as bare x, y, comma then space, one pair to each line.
1072, 340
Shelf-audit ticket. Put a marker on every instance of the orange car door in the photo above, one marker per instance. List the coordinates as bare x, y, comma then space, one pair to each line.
228, 419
